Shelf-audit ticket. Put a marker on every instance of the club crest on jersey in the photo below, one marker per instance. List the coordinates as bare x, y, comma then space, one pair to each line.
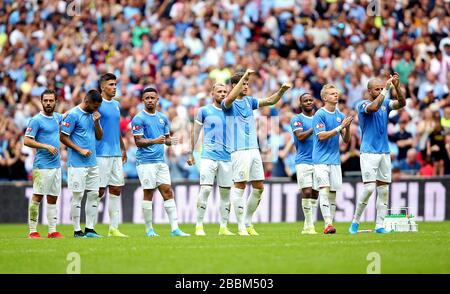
297, 124
29, 130
320, 125
136, 128
66, 124
383, 108
338, 119
161, 121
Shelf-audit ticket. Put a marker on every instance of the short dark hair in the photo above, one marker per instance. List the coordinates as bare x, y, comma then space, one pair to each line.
236, 77
48, 92
94, 95
149, 90
303, 95
104, 78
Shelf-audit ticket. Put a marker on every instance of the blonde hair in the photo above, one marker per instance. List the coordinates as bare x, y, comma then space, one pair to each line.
217, 85
325, 88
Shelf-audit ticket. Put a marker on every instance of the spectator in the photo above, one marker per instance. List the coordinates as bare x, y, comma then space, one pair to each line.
403, 139
410, 165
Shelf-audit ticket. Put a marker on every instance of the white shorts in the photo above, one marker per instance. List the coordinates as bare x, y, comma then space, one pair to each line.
47, 181
328, 175
247, 166
375, 167
305, 176
111, 171
210, 168
83, 178
152, 175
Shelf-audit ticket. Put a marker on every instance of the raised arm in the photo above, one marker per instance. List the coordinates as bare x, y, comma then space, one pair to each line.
401, 101
237, 89
274, 98
376, 104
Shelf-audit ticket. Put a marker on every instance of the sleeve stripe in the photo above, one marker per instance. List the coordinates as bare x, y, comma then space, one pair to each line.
140, 134
296, 129
65, 133
199, 122
319, 132
30, 136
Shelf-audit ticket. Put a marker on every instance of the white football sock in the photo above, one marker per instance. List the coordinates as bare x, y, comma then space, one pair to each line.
307, 212
76, 210
382, 204
313, 210
171, 210
332, 201
52, 217
362, 202
148, 213
239, 205
202, 202
91, 208
252, 205
325, 205
113, 209
33, 215
224, 206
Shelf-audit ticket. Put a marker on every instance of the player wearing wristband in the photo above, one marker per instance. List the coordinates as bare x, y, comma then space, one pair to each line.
328, 123
375, 154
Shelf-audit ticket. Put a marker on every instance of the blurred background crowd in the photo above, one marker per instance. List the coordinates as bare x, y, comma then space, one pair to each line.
183, 46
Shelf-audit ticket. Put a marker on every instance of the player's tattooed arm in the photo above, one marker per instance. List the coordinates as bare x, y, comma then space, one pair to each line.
273, 99
401, 101
195, 133
376, 104
236, 91
346, 129
302, 136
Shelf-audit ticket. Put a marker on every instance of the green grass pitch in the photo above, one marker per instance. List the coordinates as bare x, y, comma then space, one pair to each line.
279, 249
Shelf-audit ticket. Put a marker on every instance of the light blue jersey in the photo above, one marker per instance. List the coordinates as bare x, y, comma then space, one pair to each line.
373, 125
302, 123
79, 126
109, 145
45, 129
326, 152
241, 126
214, 143
150, 126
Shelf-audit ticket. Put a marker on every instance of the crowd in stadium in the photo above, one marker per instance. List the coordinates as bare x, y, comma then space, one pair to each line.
183, 47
